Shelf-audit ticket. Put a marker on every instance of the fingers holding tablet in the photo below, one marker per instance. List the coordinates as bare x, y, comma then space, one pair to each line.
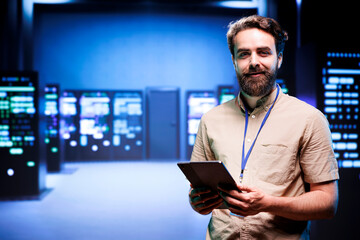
203, 200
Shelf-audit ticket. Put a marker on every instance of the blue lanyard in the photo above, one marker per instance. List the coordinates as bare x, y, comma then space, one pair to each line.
245, 158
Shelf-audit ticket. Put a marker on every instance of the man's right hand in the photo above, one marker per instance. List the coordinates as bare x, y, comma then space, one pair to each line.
203, 200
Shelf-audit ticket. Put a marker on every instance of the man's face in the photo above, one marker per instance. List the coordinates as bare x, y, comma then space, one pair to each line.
256, 61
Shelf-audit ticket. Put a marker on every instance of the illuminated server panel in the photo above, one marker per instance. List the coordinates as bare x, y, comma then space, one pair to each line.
226, 93
282, 85
339, 101
69, 124
127, 136
22, 170
95, 121
52, 135
198, 103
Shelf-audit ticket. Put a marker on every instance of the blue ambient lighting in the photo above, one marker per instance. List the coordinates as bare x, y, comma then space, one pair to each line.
237, 4
260, 5
52, 1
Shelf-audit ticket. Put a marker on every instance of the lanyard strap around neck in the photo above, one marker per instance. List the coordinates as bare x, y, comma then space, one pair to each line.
245, 158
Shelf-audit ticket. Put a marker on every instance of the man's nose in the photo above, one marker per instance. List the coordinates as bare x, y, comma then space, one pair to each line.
254, 61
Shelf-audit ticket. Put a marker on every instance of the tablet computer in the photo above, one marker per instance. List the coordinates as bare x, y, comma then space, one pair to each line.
207, 174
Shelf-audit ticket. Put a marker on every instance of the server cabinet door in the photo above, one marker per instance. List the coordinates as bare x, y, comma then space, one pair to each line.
22, 161
162, 123
127, 138
197, 104
52, 132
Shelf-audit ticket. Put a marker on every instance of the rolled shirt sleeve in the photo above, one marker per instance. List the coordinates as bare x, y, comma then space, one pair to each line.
317, 158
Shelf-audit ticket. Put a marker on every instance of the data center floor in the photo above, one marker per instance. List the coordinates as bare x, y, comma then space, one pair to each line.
107, 200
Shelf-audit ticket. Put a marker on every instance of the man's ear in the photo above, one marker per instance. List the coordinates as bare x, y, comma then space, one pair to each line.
280, 60
234, 63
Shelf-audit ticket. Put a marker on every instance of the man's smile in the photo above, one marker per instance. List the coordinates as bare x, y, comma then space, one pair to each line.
254, 74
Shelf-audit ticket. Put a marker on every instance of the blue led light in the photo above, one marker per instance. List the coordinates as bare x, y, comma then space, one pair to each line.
330, 94
353, 155
343, 71
340, 146
351, 146
73, 143
94, 148
355, 102
331, 109
330, 101
356, 164
333, 80
330, 86
83, 140
116, 140
336, 136
106, 143
347, 164
127, 147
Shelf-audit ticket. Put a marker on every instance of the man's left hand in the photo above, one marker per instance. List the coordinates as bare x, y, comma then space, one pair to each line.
243, 200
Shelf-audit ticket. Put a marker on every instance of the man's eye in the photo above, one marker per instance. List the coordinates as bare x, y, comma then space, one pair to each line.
243, 54
264, 53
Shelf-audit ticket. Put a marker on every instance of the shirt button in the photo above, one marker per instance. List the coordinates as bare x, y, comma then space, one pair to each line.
243, 227
253, 116
249, 140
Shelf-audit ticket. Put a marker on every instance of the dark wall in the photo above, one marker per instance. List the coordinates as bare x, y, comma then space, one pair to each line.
330, 23
10, 28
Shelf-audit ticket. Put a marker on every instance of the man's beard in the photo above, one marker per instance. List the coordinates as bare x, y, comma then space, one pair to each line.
257, 86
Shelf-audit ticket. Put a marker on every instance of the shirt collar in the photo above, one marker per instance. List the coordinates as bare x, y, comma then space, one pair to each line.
262, 104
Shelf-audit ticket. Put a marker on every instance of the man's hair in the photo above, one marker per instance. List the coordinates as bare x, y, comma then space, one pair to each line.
268, 25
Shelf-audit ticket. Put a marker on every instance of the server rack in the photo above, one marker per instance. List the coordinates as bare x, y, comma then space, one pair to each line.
22, 164
52, 133
128, 125
198, 103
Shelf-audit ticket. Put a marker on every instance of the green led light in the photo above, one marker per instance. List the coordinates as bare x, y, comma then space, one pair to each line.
4, 127
54, 149
16, 151
47, 140
17, 89
53, 131
51, 96
30, 164
285, 90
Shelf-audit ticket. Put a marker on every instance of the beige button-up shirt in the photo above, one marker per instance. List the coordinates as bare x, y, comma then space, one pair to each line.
293, 148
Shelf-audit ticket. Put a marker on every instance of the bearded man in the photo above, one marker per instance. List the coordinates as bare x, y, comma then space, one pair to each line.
277, 148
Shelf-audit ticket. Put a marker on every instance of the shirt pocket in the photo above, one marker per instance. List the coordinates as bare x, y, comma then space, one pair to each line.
275, 163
